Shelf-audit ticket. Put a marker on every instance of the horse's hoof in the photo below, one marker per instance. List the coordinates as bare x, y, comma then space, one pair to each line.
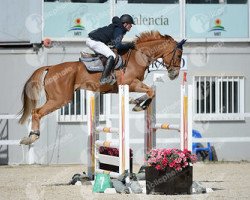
29, 140
144, 107
137, 108
132, 101
25, 141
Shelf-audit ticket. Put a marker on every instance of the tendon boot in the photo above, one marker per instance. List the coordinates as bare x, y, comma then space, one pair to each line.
106, 79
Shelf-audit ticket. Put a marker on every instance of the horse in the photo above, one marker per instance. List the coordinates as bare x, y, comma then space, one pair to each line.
61, 80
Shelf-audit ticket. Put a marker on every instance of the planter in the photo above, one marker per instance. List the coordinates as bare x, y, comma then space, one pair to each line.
169, 182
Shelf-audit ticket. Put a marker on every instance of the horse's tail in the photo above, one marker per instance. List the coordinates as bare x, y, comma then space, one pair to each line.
30, 94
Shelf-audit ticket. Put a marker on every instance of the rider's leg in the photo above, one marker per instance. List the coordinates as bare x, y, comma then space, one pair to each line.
107, 70
106, 51
100, 47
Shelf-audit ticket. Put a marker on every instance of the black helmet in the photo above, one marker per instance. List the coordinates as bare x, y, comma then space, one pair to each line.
127, 19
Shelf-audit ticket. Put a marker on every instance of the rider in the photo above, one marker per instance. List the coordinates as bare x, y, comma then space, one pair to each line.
111, 34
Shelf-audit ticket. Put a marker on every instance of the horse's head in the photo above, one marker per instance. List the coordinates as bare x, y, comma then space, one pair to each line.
172, 58
152, 45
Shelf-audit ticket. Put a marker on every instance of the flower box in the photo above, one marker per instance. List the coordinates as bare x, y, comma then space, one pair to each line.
169, 171
113, 152
169, 181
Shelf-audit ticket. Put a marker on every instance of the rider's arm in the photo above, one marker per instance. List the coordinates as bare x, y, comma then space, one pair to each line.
118, 35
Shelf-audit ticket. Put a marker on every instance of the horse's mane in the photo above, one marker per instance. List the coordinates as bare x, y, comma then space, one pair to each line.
151, 36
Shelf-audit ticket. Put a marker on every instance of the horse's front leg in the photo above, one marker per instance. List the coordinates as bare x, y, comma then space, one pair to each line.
138, 86
138, 100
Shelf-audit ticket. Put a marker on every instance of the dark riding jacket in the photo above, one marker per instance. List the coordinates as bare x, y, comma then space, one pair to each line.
112, 35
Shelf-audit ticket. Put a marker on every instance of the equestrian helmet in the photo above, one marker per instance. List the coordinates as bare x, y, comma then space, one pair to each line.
127, 19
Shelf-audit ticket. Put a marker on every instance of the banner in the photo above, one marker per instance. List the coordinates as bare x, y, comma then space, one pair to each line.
74, 20
217, 21
164, 18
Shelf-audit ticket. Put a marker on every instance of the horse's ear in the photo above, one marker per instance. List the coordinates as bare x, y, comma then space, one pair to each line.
180, 44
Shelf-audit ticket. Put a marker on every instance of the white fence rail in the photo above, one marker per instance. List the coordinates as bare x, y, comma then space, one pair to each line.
31, 158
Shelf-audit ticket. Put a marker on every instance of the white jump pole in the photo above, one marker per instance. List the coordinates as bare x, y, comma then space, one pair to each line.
124, 128
93, 112
94, 157
190, 118
186, 115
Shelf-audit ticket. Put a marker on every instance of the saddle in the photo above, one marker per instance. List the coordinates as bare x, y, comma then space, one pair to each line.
96, 62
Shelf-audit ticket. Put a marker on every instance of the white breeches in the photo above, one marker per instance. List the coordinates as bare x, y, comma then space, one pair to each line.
100, 47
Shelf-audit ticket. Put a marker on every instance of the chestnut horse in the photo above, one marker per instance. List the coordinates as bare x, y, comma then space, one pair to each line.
60, 81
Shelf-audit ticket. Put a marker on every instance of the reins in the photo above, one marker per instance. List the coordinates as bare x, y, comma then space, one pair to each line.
127, 59
154, 60
125, 65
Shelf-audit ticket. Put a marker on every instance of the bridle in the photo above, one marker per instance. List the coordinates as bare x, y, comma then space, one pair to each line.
170, 66
154, 61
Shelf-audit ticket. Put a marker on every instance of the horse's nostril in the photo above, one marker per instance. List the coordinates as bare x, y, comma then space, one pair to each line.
173, 74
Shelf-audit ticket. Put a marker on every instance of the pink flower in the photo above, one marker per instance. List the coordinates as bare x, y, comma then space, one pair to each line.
178, 167
185, 164
178, 160
193, 158
164, 162
153, 152
182, 155
172, 164
159, 157
163, 159
111, 151
158, 167
152, 160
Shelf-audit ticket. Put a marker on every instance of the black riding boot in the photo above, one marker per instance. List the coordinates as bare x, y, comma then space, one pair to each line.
107, 70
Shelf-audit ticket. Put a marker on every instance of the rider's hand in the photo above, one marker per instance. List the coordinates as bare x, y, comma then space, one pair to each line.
131, 45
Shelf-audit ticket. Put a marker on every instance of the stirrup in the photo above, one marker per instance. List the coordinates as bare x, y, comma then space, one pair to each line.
108, 80
112, 79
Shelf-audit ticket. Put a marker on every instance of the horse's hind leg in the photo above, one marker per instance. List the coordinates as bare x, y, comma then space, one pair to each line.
48, 107
37, 114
